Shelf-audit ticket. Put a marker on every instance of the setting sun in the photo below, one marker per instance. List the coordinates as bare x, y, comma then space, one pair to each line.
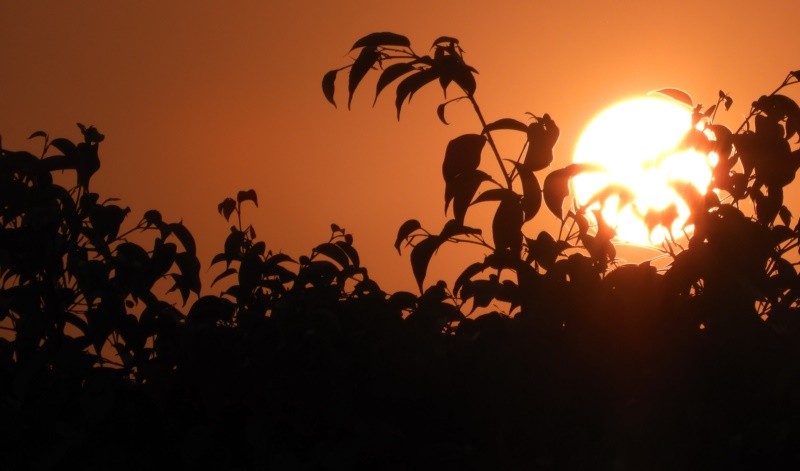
636, 142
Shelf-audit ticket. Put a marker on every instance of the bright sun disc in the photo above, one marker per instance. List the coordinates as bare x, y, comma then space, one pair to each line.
636, 142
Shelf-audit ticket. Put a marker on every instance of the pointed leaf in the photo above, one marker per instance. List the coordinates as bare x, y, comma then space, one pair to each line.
389, 75
677, 95
227, 272
421, 256
183, 234
462, 189
462, 75
445, 39
405, 230
531, 191
38, 134
333, 252
374, 40
453, 228
227, 207
440, 112
329, 84
506, 123
507, 226
64, 145
467, 275
494, 194
363, 63
556, 185
411, 84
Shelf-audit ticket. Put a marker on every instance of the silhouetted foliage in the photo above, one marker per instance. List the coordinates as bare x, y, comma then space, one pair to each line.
546, 354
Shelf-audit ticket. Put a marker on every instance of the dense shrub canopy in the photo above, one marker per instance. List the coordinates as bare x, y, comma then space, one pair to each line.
306, 363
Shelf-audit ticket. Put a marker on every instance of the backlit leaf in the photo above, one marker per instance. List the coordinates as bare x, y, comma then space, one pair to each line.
38, 134
677, 95
556, 185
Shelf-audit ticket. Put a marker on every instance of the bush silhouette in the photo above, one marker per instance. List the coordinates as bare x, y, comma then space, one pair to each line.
307, 363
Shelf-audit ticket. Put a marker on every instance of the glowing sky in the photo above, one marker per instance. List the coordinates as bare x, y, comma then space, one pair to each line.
199, 99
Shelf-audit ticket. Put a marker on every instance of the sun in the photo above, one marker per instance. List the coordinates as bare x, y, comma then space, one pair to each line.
637, 142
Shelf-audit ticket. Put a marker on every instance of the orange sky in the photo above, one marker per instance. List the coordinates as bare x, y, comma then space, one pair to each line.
199, 99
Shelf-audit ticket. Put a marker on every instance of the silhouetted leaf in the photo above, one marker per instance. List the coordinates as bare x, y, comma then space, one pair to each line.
454, 228
785, 215
728, 103
494, 194
64, 145
461, 189
556, 185
329, 84
389, 75
542, 137
507, 225
444, 39
183, 235
440, 112
227, 207
347, 248
467, 275
421, 256
462, 75
531, 191
405, 230
227, 272
153, 218
545, 250
506, 123
38, 134
403, 300
333, 252
624, 194
249, 195
462, 155
677, 95
363, 63
374, 40
411, 84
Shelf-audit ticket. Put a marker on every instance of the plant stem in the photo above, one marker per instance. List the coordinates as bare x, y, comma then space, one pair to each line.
491, 141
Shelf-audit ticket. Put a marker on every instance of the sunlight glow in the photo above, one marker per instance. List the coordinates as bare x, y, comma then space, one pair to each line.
636, 142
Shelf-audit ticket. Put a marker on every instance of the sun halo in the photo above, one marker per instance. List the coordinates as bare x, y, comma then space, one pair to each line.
636, 141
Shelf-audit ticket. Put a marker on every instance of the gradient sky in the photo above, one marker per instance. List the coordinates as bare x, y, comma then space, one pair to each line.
199, 99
